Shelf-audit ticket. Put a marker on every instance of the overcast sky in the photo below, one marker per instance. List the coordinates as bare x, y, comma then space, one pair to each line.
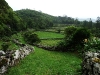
72, 8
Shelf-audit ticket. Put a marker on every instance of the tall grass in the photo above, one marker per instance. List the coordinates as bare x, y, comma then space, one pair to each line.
44, 62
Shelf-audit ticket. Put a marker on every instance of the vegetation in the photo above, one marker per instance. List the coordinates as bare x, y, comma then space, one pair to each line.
75, 41
30, 37
35, 19
92, 44
5, 46
63, 32
9, 20
48, 35
49, 42
44, 62
38, 20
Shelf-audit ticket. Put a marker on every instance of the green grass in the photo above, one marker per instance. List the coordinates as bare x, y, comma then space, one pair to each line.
18, 36
49, 42
13, 46
43, 35
44, 62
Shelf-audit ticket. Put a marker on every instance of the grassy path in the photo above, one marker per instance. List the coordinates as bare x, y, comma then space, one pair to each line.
44, 62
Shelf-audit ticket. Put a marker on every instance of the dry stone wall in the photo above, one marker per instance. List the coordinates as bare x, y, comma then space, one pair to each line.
12, 57
91, 63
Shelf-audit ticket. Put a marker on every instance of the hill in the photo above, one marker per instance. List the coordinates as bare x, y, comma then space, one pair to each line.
9, 20
35, 19
39, 20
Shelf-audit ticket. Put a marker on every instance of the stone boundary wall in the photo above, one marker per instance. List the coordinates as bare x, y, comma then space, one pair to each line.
12, 57
91, 63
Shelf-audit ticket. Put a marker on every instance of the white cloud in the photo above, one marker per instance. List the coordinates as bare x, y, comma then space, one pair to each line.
73, 8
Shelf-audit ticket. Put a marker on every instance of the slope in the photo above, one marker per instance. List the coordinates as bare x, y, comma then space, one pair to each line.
9, 20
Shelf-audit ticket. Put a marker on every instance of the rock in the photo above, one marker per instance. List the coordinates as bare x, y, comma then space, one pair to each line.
12, 57
91, 63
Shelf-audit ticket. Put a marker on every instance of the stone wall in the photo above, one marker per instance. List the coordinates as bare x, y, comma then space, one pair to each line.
91, 63
12, 57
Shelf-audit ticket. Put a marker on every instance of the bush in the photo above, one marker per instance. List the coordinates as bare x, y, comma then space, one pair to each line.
6, 39
75, 41
4, 31
5, 46
92, 45
69, 31
79, 36
61, 46
31, 37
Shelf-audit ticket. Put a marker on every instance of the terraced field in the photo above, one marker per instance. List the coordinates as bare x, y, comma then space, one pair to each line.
44, 62
48, 35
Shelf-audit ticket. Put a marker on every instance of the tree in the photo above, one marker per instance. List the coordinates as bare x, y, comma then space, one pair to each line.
97, 27
90, 24
98, 23
85, 24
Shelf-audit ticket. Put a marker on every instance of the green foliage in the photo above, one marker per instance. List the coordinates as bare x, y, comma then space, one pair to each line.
6, 39
63, 20
5, 46
4, 31
79, 36
30, 37
75, 41
35, 19
69, 31
9, 20
92, 44
44, 62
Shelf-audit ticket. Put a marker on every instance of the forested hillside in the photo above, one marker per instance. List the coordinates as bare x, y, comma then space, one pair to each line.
35, 19
38, 20
9, 20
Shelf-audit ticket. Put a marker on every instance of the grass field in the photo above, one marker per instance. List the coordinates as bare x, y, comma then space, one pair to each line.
44, 62
12, 45
44, 35
49, 42
48, 35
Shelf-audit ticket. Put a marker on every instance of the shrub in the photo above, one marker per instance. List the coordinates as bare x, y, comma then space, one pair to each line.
6, 39
92, 45
79, 36
69, 31
5, 46
61, 46
75, 41
31, 37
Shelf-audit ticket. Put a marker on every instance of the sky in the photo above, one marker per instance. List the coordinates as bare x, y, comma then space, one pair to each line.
71, 8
